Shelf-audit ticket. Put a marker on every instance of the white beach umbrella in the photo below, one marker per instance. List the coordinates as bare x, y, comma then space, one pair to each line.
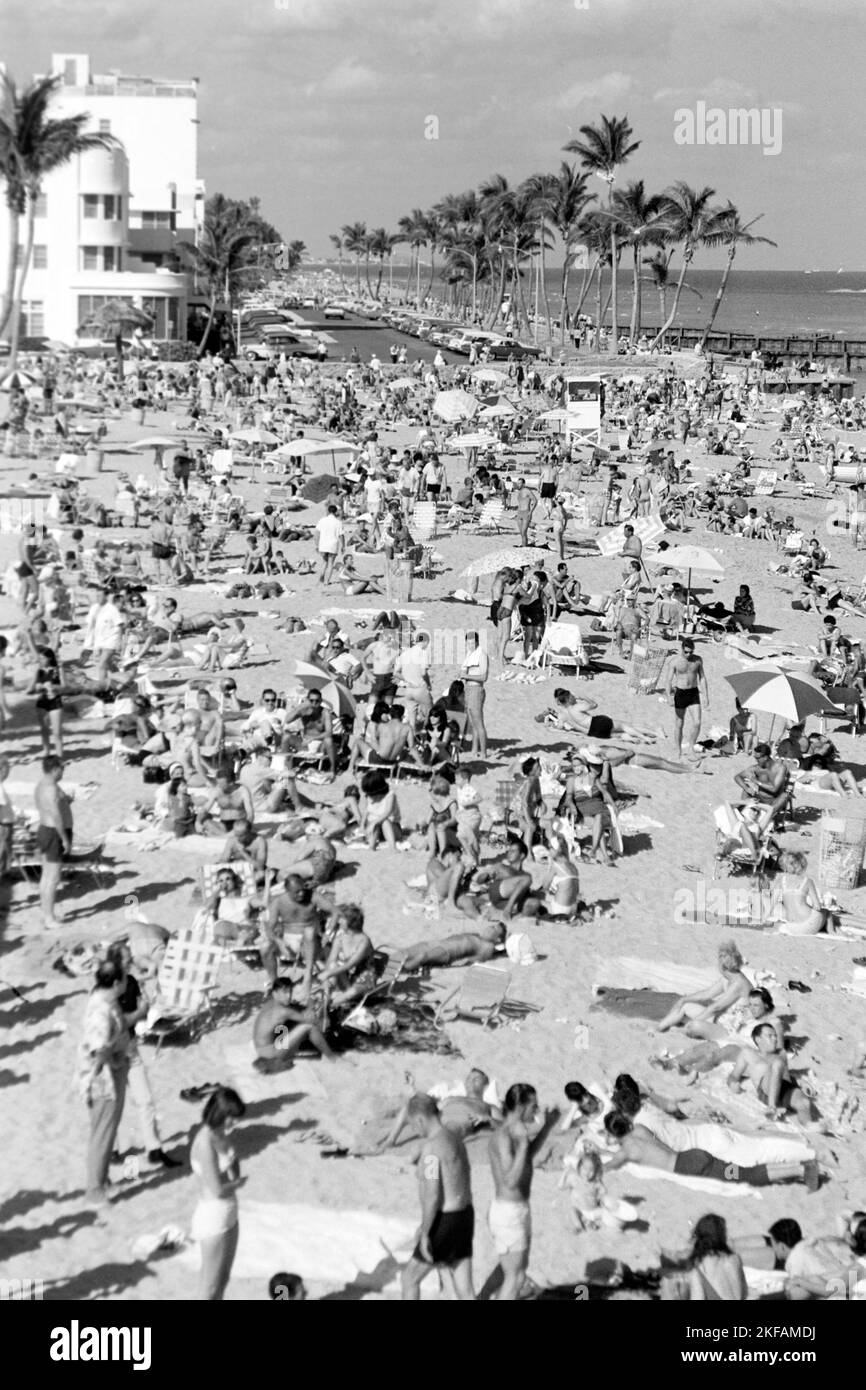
455, 405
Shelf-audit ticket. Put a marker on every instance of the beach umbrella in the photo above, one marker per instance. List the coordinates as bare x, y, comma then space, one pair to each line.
455, 405
689, 557
789, 695
17, 381
489, 376
255, 436
403, 383
333, 693
301, 447
159, 441
316, 489
479, 440
511, 557
502, 407
558, 415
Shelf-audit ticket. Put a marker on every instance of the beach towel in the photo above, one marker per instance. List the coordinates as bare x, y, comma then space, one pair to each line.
708, 1186
328, 1247
635, 1003
629, 972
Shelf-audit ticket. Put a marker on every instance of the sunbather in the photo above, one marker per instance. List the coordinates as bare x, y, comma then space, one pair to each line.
465, 948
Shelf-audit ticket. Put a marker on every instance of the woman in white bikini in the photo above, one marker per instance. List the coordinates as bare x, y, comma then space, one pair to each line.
800, 911
215, 1219
561, 884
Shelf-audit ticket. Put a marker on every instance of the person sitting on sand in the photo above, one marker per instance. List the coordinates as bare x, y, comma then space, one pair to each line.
280, 1029
292, 928
348, 972
560, 887
507, 882
246, 847
380, 810
463, 1115
724, 1040
230, 908
705, 1005
317, 861
464, 948
765, 1064
800, 910
227, 804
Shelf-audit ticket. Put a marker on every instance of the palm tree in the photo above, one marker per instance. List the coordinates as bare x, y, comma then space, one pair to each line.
691, 219
731, 232
220, 258
569, 201
32, 145
640, 221
659, 267
295, 252
337, 242
509, 215
542, 190
602, 150
115, 318
354, 240
381, 243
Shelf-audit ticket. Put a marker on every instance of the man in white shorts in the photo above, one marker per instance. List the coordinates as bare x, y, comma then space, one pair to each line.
512, 1151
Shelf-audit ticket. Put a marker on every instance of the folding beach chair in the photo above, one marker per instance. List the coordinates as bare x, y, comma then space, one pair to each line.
187, 978
423, 523
562, 645
241, 868
490, 518
479, 997
765, 482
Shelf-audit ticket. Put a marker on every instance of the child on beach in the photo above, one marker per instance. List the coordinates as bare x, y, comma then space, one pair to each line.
443, 815
468, 815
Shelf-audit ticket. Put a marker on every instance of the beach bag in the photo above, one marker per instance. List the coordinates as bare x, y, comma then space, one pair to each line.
154, 774
520, 950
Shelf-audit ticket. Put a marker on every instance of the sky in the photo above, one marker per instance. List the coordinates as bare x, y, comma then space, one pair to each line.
324, 108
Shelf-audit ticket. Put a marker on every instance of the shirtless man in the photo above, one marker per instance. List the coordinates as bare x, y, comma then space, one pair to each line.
512, 1151
464, 948
245, 846
766, 782
292, 911
447, 877
387, 740
767, 1068
226, 805
316, 725
447, 1215
279, 1030
54, 836
638, 1145
463, 1115
508, 884
686, 681
525, 502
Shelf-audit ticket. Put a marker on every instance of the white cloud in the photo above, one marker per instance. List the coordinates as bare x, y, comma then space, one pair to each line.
614, 86
348, 78
720, 90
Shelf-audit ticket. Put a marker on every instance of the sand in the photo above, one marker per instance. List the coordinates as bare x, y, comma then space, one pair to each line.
47, 1233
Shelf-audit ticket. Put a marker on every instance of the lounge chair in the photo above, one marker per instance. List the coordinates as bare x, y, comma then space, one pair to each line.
187, 978
479, 996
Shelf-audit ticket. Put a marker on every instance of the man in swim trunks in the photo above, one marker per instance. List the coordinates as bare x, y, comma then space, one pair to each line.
507, 883
767, 782
280, 1029
54, 835
638, 1145
686, 680
316, 726
767, 1069
512, 1151
464, 948
447, 1215
293, 912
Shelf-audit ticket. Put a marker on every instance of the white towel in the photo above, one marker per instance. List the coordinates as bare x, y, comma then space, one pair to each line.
713, 1186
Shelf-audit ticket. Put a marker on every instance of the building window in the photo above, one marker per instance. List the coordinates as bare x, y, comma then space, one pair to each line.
156, 221
32, 318
99, 258
112, 207
105, 127
41, 208
91, 205
40, 257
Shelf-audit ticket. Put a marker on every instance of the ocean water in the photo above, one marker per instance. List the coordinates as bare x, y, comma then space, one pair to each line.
756, 301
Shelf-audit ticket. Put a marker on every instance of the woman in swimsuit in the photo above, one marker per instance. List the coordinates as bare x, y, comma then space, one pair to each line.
215, 1219
230, 908
801, 911
707, 1005
47, 686
561, 884
349, 965
506, 606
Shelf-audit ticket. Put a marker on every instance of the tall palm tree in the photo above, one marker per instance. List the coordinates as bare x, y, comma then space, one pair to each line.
221, 256
381, 243
542, 190
691, 219
32, 145
641, 221
354, 241
112, 320
337, 242
569, 201
731, 232
603, 149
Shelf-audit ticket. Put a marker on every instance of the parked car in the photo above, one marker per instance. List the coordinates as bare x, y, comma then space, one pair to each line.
289, 343
333, 311
508, 350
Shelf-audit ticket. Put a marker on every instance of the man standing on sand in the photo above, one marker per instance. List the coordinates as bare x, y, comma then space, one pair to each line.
447, 1216
686, 680
54, 835
512, 1151
525, 502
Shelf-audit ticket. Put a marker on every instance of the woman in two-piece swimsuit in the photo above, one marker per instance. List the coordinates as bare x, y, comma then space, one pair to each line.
215, 1219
